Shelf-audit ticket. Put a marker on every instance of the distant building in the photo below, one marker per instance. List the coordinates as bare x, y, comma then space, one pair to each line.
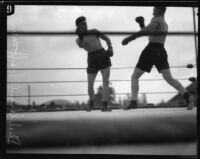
178, 100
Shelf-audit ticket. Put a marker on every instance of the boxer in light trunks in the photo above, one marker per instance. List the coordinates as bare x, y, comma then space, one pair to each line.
98, 59
154, 54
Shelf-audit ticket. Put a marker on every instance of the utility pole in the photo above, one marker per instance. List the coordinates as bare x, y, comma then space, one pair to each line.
29, 95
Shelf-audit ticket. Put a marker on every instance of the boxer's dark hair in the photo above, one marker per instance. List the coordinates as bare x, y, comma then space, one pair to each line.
161, 9
80, 19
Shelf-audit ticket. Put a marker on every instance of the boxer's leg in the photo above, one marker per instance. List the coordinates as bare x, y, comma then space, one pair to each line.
166, 73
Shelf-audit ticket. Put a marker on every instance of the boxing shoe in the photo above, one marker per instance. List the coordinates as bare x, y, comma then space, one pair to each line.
89, 107
132, 105
189, 98
105, 107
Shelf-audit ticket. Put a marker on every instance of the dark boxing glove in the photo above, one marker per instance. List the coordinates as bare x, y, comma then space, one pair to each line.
110, 52
140, 21
80, 35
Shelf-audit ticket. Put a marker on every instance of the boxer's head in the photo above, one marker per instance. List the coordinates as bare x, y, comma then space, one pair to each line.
159, 11
81, 23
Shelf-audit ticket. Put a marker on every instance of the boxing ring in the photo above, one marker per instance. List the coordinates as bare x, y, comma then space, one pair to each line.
117, 132
108, 132
140, 131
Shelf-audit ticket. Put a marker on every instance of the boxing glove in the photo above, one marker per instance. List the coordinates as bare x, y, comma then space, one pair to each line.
140, 21
79, 34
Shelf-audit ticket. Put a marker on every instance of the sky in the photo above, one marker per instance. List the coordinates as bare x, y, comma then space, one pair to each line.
62, 51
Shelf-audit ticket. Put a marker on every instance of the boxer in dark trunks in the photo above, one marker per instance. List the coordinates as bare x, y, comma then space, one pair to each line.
154, 54
98, 59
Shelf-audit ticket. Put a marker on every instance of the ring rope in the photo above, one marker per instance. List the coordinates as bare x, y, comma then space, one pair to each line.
56, 95
64, 68
36, 82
